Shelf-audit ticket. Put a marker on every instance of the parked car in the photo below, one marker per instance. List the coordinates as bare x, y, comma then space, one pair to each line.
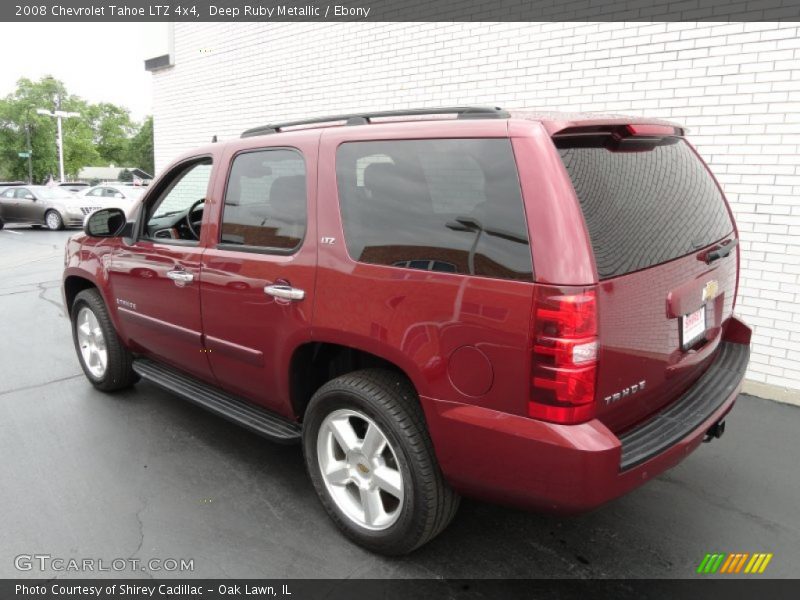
74, 186
116, 195
532, 309
39, 205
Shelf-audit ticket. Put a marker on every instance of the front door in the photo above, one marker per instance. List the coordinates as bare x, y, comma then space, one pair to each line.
257, 278
155, 280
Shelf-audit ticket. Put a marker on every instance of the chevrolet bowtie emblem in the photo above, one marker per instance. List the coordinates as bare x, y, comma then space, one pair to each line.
710, 290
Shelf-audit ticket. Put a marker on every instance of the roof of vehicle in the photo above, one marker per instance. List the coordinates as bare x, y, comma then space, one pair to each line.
553, 121
468, 117
119, 186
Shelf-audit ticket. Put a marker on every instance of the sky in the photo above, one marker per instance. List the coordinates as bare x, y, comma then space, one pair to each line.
101, 62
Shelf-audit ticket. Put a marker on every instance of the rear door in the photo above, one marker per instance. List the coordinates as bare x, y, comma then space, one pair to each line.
426, 260
7, 202
653, 213
257, 281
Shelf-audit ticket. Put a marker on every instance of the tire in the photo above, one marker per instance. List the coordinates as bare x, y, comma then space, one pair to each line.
117, 373
2, 224
386, 400
53, 220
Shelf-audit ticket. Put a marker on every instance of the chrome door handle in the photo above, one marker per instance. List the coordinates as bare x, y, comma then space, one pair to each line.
286, 292
180, 277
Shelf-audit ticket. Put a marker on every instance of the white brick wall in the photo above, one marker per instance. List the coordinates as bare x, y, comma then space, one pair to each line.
735, 85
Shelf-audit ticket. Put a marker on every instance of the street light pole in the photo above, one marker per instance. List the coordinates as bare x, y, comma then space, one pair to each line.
58, 114
30, 151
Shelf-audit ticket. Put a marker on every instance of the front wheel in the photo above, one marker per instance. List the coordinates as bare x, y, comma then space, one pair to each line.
372, 463
106, 363
53, 220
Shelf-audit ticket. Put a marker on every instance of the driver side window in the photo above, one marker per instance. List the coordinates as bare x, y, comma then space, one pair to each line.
167, 217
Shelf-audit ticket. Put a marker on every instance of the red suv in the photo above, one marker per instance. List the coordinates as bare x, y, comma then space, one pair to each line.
533, 309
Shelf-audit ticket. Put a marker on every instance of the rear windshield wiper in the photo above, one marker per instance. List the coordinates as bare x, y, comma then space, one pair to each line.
722, 251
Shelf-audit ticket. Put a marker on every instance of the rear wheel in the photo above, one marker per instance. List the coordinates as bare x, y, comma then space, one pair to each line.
53, 220
2, 224
372, 463
105, 361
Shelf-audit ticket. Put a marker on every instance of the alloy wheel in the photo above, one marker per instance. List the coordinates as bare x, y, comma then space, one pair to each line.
360, 469
91, 342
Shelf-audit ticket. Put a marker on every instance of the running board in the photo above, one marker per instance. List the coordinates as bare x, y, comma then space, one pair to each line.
228, 406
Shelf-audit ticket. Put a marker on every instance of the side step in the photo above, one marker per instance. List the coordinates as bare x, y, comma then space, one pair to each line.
228, 406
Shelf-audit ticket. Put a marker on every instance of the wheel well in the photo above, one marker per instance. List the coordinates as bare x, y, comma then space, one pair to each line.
74, 285
316, 363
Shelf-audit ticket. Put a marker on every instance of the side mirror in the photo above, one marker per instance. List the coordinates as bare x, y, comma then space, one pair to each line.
105, 223
30, 197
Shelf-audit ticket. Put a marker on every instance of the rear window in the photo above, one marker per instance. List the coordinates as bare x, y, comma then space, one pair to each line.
645, 207
451, 206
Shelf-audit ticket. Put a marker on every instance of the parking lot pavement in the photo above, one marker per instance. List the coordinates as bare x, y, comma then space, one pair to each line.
143, 474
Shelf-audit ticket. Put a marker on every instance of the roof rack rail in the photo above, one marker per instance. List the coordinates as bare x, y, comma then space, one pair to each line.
364, 118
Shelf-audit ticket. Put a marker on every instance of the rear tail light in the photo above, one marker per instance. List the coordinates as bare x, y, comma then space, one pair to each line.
564, 365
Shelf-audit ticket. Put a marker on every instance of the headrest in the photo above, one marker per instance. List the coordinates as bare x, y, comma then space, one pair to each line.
382, 178
287, 195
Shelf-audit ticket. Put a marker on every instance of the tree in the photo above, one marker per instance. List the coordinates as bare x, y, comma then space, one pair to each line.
141, 148
103, 134
113, 128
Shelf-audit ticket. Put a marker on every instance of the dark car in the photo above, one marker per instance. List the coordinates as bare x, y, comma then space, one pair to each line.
533, 309
39, 205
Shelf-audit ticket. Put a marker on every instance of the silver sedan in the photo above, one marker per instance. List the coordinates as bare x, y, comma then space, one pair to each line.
39, 205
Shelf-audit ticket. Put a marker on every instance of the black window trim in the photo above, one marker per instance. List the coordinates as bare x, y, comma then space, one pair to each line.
156, 192
268, 250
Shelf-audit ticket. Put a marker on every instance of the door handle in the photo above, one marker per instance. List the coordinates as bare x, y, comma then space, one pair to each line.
180, 277
286, 292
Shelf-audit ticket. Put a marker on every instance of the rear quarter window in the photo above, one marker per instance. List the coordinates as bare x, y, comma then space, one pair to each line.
646, 207
443, 205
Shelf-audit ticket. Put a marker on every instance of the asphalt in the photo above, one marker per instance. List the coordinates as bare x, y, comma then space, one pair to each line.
142, 474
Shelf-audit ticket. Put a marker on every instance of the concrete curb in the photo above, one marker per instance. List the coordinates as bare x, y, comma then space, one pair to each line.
772, 392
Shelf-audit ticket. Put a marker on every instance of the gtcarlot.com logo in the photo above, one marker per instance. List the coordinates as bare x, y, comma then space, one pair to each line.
47, 562
737, 562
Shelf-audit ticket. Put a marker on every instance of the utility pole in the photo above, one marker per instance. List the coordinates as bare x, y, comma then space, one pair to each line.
30, 151
58, 114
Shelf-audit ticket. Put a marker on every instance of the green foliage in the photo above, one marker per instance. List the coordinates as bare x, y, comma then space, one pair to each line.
103, 134
141, 148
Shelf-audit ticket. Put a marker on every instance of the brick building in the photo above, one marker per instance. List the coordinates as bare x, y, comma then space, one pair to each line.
735, 85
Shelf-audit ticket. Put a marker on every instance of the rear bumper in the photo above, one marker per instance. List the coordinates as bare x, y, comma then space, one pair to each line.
573, 468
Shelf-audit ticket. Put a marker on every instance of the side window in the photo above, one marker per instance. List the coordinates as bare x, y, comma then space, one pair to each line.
96, 192
24, 194
442, 205
265, 201
9, 193
168, 215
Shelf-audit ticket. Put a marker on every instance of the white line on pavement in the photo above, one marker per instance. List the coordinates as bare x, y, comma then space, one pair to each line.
9, 231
